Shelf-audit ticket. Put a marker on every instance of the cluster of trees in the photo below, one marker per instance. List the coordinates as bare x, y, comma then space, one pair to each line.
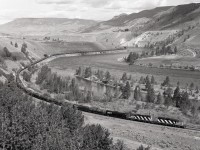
15, 45
46, 38
23, 48
7, 54
25, 125
51, 81
164, 50
87, 72
132, 57
26, 76
169, 97
60, 85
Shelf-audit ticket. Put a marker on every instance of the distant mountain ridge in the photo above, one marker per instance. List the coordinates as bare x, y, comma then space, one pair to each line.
157, 18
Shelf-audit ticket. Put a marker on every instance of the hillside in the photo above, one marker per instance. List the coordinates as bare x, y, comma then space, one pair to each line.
154, 19
124, 19
46, 26
177, 24
180, 23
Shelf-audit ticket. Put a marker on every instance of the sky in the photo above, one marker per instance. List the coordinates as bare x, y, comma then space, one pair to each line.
83, 9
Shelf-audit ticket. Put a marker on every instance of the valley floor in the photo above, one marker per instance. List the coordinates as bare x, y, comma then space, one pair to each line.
110, 62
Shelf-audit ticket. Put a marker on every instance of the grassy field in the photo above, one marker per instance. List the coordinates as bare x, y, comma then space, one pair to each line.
173, 60
56, 47
41, 48
110, 62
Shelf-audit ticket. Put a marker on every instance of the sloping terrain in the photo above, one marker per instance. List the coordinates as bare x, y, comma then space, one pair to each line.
154, 19
158, 137
180, 23
124, 20
46, 26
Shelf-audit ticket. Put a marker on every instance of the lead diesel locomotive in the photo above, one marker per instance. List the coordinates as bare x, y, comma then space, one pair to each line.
133, 116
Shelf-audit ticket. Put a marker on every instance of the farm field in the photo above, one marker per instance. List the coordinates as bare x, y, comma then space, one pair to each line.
111, 62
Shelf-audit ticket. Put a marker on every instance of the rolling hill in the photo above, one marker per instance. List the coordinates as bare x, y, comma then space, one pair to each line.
154, 19
153, 26
46, 26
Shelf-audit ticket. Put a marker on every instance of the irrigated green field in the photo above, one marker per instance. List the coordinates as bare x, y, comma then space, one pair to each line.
111, 63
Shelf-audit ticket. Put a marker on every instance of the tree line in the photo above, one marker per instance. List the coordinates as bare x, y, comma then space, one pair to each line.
164, 50
27, 126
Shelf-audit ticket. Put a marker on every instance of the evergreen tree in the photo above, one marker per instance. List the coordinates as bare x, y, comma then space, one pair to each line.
152, 53
100, 75
185, 104
152, 80
124, 77
16, 45
88, 72
42, 75
107, 76
88, 98
132, 57
193, 111
137, 93
26, 76
108, 94
79, 71
148, 84
23, 49
163, 50
159, 98
175, 50
142, 81
177, 96
143, 148
150, 95
169, 50
7, 53
157, 51
166, 82
126, 91
191, 87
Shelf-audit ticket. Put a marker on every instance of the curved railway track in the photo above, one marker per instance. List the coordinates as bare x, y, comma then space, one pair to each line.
83, 108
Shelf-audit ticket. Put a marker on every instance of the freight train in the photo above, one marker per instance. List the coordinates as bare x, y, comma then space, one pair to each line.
127, 116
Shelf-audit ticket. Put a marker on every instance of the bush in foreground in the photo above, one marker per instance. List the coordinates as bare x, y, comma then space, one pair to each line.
27, 126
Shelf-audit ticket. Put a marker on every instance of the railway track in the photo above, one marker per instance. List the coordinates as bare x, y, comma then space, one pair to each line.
108, 113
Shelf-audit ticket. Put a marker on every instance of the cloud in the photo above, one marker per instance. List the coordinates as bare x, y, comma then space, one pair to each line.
55, 1
177, 2
85, 9
96, 3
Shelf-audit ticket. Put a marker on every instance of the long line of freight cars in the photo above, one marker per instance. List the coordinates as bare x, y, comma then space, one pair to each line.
127, 116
